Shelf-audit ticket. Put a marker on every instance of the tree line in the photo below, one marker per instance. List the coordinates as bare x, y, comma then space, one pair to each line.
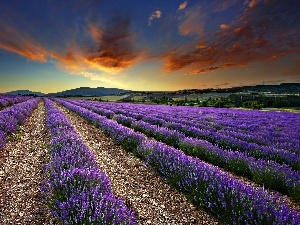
253, 101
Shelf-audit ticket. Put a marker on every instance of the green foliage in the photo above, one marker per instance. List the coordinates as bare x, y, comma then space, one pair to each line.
252, 105
239, 167
18, 135
130, 144
161, 100
219, 104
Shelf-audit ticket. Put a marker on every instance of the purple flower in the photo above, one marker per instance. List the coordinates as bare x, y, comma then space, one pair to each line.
11, 118
75, 188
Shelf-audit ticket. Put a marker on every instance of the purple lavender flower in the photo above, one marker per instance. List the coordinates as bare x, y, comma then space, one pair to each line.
11, 118
75, 189
205, 184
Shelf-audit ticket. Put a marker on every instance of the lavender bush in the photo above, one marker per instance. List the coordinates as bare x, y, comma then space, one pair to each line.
232, 200
76, 191
11, 118
9, 100
275, 129
270, 174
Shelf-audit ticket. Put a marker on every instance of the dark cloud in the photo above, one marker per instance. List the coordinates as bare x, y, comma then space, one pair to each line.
114, 44
266, 30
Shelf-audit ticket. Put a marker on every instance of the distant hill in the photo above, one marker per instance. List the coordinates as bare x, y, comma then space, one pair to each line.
279, 89
87, 92
284, 88
25, 92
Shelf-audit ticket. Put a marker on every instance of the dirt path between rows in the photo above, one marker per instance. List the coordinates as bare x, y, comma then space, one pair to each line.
21, 173
143, 191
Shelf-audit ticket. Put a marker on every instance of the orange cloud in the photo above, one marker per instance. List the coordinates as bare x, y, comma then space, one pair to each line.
253, 3
224, 26
13, 41
111, 51
192, 22
202, 71
255, 36
155, 15
200, 46
113, 46
95, 32
182, 5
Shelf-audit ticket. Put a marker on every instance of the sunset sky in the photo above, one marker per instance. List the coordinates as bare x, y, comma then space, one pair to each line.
53, 45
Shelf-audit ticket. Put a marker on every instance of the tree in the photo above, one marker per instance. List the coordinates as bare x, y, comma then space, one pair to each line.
219, 103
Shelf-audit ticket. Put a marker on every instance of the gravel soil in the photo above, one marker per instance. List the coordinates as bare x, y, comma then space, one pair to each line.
21, 173
150, 196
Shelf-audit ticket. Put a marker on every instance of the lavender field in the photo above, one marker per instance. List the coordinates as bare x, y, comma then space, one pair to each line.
86, 162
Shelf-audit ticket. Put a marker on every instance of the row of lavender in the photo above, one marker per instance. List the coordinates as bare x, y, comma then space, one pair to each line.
234, 129
231, 200
267, 173
11, 118
275, 129
75, 189
190, 129
224, 141
9, 100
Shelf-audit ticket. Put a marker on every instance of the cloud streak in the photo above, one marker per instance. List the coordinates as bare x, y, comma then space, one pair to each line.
104, 78
219, 6
182, 5
13, 41
193, 21
155, 15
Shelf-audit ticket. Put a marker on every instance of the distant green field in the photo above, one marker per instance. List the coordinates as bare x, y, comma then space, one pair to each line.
139, 97
111, 98
201, 97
